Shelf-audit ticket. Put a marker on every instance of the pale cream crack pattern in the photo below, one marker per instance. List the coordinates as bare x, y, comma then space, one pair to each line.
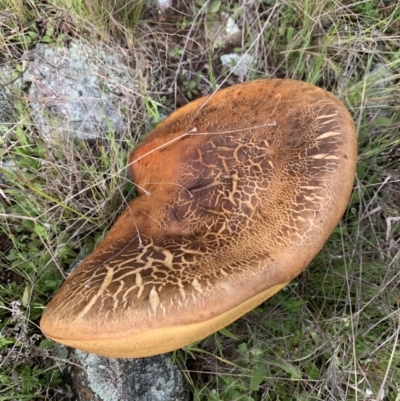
260, 188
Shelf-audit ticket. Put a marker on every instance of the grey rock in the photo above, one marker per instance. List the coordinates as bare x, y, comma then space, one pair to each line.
6, 107
9, 91
164, 5
82, 90
231, 28
173, 10
89, 377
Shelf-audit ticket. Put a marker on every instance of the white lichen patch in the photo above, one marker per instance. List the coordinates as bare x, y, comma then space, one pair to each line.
239, 65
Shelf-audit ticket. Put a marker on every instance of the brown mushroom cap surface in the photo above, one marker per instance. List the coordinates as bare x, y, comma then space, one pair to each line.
244, 188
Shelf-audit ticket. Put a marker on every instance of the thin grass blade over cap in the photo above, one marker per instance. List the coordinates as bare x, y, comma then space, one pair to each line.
238, 191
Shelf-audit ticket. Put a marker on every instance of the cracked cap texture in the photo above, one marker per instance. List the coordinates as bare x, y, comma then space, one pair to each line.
239, 191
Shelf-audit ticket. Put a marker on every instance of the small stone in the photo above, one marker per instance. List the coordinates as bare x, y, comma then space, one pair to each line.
83, 91
10, 86
239, 65
173, 10
94, 378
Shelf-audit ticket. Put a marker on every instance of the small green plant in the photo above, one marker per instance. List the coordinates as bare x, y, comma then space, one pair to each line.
191, 85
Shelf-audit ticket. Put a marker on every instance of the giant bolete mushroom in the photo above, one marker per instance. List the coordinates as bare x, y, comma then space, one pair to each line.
238, 191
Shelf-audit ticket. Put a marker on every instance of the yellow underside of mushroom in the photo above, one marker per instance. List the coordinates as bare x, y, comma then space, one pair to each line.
158, 341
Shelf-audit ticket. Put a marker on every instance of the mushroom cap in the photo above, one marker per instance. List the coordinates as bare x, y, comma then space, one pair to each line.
243, 189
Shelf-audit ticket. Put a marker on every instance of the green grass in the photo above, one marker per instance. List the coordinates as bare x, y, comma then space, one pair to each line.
333, 333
